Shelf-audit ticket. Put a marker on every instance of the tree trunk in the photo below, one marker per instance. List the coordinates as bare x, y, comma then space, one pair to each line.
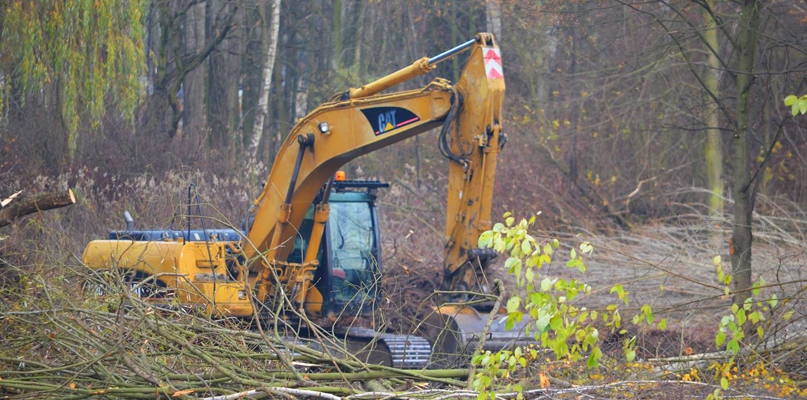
193, 113
269, 33
713, 152
493, 14
357, 64
251, 68
741, 236
336, 34
19, 208
219, 83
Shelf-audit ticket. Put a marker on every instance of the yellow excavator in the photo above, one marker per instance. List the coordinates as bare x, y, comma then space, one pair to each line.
311, 243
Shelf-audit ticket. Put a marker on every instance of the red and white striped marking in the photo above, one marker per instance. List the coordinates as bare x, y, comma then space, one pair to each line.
493, 63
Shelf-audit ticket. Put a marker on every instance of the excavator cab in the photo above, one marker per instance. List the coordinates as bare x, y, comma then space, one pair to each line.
349, 271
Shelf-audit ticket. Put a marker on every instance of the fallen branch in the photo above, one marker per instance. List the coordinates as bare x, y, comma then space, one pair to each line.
29, 205
293, 392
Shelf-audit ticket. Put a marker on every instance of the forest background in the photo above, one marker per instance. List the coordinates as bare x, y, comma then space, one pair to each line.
620, 115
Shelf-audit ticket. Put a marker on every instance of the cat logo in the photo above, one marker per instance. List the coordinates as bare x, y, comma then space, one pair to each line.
387, 119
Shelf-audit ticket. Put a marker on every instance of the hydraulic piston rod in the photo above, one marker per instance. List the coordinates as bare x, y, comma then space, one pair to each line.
450, 53
419, 67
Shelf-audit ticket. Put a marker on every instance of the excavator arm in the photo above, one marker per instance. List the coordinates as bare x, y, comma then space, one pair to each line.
361, 121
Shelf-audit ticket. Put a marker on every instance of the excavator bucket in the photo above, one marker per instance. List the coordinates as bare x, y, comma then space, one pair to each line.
456, 332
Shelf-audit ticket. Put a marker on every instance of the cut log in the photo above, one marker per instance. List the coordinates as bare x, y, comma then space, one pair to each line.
29, 205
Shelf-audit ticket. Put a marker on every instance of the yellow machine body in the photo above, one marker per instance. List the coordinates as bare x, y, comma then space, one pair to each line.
182, 271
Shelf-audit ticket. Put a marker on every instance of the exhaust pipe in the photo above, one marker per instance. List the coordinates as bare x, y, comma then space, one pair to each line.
129, 221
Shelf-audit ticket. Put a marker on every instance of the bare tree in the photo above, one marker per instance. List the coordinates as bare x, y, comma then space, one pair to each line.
269, 34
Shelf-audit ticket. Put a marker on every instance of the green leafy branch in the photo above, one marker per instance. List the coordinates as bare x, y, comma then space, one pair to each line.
798, 105
552, 319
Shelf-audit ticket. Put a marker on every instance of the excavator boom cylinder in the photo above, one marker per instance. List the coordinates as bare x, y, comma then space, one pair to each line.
419, 67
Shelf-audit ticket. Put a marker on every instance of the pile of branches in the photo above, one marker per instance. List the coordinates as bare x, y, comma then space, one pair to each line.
59, 345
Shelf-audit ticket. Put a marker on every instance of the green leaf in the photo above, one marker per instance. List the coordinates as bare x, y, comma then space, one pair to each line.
620, 291
790, 100
760, 332
512, 304
498, 227
786, 316
509, 221
485, 239
546, 284
716, 260
648, 312
740, 317
541, 323
630, 355
525, 247
720, 339
754, 317
773, 301
803, 105
532, 220
662, 324
556, 322
794, 109
573, 254
507, 214
510, 323
733, 346
724, 383
595, 355
530, 275
513, 266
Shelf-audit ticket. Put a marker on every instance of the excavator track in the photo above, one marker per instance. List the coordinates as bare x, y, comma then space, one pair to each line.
405, 351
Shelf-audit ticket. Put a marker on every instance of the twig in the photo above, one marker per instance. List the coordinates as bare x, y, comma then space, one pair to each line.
497, 286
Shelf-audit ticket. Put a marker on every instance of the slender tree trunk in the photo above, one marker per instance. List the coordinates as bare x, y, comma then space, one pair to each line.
336, 33
218, 102
573, 92
269, 32
193, 114
455, 38
251, 68
357, 64
713, 152
741, 236
281, 112
493, 14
